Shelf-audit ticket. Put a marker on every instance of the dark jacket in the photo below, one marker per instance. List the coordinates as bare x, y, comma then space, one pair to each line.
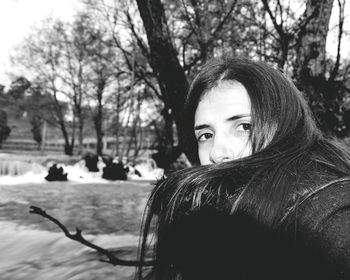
312, 244
321, 222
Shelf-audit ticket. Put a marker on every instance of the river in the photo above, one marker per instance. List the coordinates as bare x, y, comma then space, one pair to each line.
32, 247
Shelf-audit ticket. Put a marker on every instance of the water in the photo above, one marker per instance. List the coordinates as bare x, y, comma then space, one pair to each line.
32, 247
15, 169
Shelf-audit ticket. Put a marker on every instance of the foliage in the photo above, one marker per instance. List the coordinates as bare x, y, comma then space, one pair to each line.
2, 87
37, 105
4, 129
18, 88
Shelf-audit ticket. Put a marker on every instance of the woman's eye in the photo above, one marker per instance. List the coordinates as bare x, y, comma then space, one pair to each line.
204, 137
245, 126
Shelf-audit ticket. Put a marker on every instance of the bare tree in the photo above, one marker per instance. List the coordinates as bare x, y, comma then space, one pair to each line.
41, 54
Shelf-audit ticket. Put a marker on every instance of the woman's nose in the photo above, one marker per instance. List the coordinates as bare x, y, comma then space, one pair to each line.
221, 151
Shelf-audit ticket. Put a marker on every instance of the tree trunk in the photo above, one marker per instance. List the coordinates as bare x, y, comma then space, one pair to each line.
68, 148
80, 138
117, 123
98, 118
311, 42
164, 62
80, 131
99, 132
44, 132
310, 67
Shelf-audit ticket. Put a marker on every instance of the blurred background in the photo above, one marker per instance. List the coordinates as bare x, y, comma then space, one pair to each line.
91, 93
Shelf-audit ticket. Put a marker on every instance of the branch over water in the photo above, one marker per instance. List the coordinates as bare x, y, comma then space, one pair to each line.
77, 236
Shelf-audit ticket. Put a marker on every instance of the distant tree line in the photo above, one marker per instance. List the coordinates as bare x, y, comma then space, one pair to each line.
119, 57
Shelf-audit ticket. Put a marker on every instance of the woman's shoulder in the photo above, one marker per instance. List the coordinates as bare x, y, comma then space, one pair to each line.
326, 204
322, 222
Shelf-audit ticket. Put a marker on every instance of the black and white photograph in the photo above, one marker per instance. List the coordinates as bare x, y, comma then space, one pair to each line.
174, 140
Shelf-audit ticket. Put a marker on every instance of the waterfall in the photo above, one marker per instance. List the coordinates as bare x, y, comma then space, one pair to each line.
17, 167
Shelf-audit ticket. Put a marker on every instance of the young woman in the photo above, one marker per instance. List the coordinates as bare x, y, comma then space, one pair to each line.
271, 196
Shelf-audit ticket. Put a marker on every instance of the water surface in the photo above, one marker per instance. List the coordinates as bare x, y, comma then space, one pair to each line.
32, 247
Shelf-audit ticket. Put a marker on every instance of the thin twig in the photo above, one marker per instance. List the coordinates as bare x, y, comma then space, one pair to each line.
77, 236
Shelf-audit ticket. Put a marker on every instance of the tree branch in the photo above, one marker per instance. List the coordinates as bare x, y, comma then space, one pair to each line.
221, 24
280, 9
335, 70
197, 17
142, 45
79, 238
303, 22
150, 85
277, 26
188, 18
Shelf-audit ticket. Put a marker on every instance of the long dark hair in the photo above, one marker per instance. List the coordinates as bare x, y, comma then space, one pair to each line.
290, 158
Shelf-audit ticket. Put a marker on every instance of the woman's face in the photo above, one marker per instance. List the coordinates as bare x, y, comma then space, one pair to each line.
222, 123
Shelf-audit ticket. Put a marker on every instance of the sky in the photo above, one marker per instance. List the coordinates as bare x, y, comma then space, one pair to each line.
17, 17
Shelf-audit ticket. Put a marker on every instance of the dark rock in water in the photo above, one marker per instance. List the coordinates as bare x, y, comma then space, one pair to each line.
56, 174
91, 161
107, 159
115, 171
138, 173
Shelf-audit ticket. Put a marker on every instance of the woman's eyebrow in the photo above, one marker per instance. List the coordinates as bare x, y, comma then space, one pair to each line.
233, 118
237, 117
201, 126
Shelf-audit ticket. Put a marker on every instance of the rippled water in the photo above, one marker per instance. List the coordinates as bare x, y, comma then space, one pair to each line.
34, 248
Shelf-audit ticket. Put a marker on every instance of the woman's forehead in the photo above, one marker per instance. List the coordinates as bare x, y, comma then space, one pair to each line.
225, 100
226, 90
223, 85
